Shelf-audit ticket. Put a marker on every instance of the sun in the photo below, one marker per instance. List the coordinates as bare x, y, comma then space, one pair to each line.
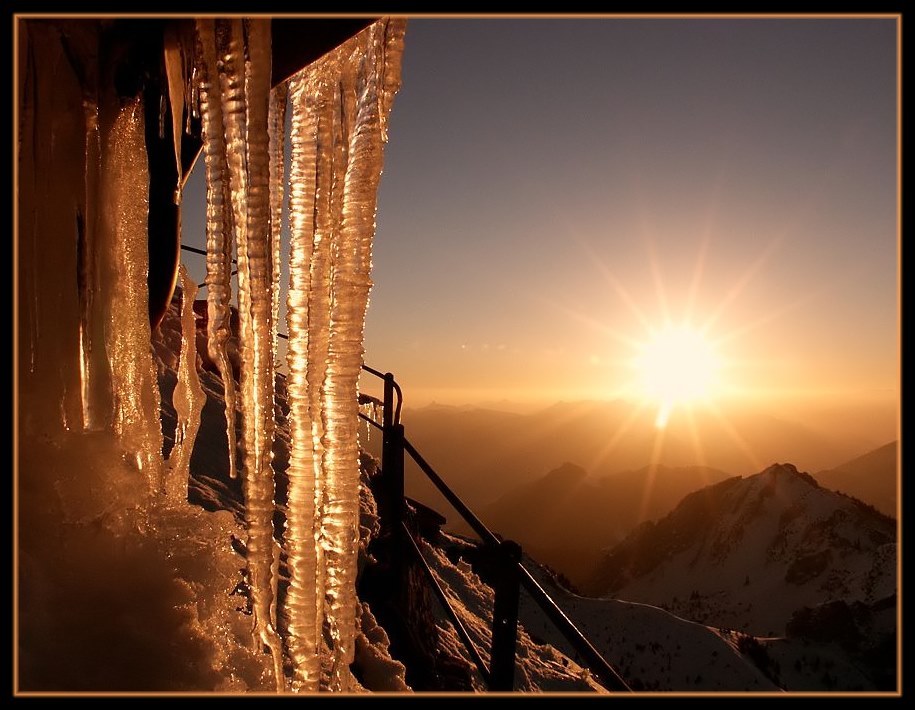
677, 366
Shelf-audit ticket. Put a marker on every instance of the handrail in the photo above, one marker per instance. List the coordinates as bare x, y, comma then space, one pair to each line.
566, 627
596, 662
389, 383
371, 370
606, 674
195, 250
459, 505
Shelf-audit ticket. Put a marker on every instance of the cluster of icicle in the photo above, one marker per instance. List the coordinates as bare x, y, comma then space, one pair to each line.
339, 107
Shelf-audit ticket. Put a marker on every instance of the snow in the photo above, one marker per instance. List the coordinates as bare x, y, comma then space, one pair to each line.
745, 570
539, 667
652, 649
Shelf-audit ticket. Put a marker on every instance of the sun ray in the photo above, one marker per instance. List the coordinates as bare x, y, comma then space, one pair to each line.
695, 438
697, 273
652, 472
605, 451
747, 326
745, 278
654, 264
613, 281
595, 324
755, 462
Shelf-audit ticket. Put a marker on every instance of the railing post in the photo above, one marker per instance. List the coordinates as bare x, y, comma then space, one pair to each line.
395, 480
505, 616
388, 414
392, 459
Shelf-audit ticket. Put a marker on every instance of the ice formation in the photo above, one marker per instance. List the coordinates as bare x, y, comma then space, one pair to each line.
338, 109
218, 226
240, 82
85, 363
188, 397
339, 106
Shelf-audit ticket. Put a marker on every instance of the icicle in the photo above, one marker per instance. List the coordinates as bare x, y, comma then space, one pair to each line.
366, 410
325, 91
277, 122
303, 601
188, 397
336, 161
350, 293
163, 106
94, 373
51, 138
195, 95
175, 73
390, 56
125, 195
219, 228
191, 95
246, 95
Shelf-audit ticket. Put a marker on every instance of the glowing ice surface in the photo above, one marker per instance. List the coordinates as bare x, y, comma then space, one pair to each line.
188, 397
339, 106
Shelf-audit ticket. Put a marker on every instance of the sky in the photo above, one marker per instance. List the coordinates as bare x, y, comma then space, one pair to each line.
556, 190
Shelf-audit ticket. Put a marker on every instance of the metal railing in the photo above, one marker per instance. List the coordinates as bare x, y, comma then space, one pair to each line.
509, 572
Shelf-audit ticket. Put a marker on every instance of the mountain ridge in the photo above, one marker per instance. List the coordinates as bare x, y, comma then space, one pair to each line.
747, 553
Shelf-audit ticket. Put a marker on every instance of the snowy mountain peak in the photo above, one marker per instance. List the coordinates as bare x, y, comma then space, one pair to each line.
749, 553
788, 473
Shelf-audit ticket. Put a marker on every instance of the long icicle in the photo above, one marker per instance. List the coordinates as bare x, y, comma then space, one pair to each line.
218, 227
323, 89
336, 512
95, 377
277, 121
303, 600
361, 107
246, 94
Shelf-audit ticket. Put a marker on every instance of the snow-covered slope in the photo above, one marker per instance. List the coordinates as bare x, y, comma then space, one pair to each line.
748, 553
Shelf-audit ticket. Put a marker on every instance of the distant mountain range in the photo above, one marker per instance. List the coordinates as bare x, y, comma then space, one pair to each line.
484, 453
